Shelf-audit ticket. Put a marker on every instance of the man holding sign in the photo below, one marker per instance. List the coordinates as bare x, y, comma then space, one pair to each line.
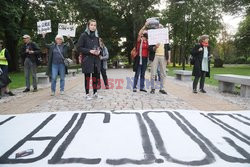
159, 55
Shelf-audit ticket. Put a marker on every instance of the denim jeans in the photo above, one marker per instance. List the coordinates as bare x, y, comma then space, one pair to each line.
58, 68
141, 69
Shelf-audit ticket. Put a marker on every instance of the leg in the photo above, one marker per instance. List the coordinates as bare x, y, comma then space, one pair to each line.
202, 80
163, 73
195, 83
27, 72
138, 71
95, 79
104, 76
87, 82
142, 75
33, 72
55, 69
62, 76
153, 72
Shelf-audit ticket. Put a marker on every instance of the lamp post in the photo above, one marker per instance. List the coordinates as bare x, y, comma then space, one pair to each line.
183, 42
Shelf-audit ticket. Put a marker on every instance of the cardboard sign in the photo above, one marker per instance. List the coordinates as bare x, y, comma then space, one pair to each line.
44, 26
66, 30
156, 36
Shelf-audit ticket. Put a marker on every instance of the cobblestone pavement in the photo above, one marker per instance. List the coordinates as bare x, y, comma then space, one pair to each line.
121, 97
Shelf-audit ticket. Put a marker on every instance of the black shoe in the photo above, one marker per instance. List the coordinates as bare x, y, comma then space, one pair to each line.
107, 86
35, 90
134, 90
152, 91
202, 91
143, 90
163, 92
195, 91
26, 90
10, 93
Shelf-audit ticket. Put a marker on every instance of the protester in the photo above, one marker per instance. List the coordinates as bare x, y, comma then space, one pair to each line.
29, 53
159, 55
141, 60
104, 63
58, 52
201, 68
4, 61
88, 45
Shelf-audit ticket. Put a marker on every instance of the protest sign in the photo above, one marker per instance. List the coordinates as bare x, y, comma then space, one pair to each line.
44, 26
66, 29
156, 36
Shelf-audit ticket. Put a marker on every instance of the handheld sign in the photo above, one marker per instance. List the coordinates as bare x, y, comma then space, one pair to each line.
44, 26
66, 29
156, 36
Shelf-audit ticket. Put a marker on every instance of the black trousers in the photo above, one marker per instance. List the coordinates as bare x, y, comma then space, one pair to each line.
202, 80
95, 80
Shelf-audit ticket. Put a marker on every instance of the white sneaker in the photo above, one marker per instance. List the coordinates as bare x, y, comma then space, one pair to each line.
52, 94
62, 93
88, 97
97, 96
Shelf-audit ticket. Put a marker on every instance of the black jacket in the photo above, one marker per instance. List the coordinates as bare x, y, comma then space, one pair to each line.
33, 47
198, 56
86, 43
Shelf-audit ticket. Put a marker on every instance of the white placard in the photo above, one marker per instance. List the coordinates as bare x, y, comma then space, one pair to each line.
44, 26
156, 36
66, 30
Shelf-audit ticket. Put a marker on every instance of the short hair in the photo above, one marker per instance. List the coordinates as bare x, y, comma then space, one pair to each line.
203, 37
60, 37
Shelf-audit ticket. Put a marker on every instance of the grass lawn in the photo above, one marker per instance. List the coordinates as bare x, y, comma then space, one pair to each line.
227, 69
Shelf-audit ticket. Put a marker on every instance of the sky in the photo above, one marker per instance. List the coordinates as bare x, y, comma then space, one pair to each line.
231, 22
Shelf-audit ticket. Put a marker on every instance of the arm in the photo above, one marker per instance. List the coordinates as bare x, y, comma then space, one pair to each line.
167, 53
106, 56
81, 46
141, 32
7, 55
196, 50
70, 43
36, 49
44, 43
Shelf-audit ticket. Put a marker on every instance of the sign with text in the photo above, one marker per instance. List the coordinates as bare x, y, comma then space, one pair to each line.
156, 36
66, 30
44, 26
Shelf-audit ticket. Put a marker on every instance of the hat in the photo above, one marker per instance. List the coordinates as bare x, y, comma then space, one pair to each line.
59, 37
203, 37
26, 36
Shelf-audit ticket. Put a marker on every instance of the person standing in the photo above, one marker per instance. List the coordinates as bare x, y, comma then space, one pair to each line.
201, 68
159, 55
4, 61
58, 51
104, 63
141, 60
89, 47
29, 54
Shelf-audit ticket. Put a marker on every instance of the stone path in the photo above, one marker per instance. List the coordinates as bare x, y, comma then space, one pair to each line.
121, 97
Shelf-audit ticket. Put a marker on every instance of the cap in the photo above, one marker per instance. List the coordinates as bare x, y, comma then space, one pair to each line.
26, 36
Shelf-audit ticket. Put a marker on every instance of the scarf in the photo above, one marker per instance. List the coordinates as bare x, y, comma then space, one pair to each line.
205, 44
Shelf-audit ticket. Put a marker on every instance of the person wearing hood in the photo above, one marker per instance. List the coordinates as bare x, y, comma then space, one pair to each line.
89, 46
58, 51
201, 68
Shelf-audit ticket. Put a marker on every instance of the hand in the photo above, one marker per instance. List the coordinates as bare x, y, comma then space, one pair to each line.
157, 46
201, 49
43, 34
31, 52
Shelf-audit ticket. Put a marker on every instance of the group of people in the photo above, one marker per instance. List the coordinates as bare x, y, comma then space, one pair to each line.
94, 55
159, 56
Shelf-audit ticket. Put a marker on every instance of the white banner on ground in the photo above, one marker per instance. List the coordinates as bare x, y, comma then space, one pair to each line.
44, 26
156, 36
66, 30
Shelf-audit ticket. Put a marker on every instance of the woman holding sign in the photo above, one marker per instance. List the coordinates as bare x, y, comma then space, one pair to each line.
89, 46
141, 60
58, 51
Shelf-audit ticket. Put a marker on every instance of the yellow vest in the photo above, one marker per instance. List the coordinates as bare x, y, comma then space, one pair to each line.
3, 60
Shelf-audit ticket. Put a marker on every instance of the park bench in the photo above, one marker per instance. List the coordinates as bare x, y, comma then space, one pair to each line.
72, 71
42, 78
183, 75
227, 83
